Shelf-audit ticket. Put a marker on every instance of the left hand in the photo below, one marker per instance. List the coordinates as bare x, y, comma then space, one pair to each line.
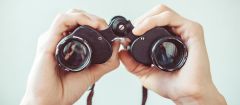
47, 83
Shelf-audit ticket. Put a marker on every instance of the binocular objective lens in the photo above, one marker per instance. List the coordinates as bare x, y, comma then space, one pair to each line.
168, 55
76, 55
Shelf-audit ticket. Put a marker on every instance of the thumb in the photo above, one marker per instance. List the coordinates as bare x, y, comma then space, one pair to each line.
98, 70
90, 75
132, 65
151, 77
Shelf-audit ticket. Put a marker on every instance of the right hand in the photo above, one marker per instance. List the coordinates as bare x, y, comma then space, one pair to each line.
193, 82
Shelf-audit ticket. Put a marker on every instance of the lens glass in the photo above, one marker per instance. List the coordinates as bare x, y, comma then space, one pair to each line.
168, 54
75, 54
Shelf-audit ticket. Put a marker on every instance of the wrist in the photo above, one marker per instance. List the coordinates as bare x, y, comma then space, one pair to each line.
216, 100
30, 101
38, 100
208, 97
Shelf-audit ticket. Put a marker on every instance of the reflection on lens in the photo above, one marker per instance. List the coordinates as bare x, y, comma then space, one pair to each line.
75, 54
166, 53
169, 54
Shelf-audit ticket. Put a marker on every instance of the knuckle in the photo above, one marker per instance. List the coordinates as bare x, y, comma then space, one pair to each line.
160, 7
196, 29
149, 20
101, 20
81, 14
94, 24
198, 25
168, 14
97, 22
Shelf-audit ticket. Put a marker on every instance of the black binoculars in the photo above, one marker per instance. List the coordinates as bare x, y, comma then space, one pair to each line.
84, 46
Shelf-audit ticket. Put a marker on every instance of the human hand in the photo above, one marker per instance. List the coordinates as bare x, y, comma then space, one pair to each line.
47, 83
192, 84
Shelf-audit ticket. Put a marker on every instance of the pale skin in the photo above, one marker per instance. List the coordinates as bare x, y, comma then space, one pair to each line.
192, 85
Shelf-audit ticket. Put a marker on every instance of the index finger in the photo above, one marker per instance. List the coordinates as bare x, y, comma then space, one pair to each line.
167, 18
154, 11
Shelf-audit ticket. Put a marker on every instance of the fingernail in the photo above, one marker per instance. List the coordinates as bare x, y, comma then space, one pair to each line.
134, 30
116, 39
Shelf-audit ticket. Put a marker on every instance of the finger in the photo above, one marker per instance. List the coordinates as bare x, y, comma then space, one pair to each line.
71, 11
131, 65
62, 23
166, 18
127, 60
113, 61
125, 42
115, 47
100, 23
75, 10
108, 66
65, 21
95, 72
154, 11
149, 76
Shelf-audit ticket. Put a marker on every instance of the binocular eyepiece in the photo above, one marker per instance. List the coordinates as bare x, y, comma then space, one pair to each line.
84, 46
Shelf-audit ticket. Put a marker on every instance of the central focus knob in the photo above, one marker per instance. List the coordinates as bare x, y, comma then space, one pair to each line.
119, 26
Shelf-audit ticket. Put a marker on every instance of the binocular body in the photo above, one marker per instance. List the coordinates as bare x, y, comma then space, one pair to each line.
84, 46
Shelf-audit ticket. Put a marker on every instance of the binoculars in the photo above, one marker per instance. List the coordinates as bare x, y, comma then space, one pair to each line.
85, 46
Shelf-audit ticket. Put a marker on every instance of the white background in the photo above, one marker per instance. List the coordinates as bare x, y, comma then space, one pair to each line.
22, 21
